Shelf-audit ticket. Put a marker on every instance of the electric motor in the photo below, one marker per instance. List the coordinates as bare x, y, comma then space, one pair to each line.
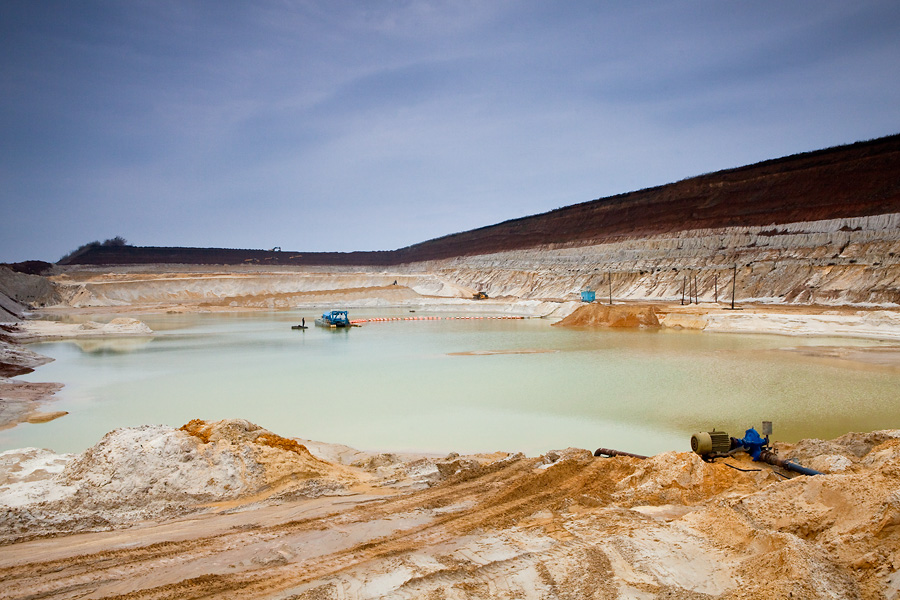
710, 442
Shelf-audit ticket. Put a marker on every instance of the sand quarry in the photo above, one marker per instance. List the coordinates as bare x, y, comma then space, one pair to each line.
228, 510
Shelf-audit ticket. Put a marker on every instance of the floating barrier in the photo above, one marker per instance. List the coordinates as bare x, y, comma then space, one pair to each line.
385, 319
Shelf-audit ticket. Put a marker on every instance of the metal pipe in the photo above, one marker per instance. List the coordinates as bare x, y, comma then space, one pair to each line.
611, 453
771, 458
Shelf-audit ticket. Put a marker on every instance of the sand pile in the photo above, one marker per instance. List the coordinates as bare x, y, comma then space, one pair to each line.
603, 315
562, 525
153, 471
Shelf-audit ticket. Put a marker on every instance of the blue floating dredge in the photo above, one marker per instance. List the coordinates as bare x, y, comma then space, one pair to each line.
334, 318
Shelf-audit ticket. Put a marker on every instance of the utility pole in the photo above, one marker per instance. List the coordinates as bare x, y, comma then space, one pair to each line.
683, 286
609, 278
716, 287
690, 288
733, 279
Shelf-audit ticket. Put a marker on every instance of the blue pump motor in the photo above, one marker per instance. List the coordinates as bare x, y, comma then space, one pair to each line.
753, 443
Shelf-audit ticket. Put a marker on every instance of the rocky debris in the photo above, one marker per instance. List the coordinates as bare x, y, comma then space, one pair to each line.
10, 310
27, 290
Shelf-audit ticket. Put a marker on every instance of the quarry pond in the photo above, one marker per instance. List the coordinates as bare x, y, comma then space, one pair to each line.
463, 385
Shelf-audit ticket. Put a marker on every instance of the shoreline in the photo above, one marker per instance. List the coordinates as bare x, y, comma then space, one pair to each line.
877, 327
22, 400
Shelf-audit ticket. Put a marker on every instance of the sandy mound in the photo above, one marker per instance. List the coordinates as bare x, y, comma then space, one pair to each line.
154, 471
562, 525
602, 315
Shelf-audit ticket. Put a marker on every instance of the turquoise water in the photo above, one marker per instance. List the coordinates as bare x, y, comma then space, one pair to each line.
401, 385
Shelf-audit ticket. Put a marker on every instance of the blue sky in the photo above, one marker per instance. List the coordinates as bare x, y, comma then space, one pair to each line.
339, 126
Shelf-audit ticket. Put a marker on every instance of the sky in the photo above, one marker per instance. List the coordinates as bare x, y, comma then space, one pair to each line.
329, 125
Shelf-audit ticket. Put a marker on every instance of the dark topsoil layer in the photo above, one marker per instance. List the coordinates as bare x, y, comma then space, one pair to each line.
848, 181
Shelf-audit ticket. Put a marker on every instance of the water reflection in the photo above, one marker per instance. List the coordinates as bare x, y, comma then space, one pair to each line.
112, 345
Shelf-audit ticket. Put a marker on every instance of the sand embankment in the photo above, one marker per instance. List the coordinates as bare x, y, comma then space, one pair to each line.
38, 330
229, 510
244, 287
850, 322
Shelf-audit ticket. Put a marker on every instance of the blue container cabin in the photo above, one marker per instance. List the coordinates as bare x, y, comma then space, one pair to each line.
334, 318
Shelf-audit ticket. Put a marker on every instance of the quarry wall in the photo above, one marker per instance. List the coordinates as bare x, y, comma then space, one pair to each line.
854, 261
848, 261
821, 227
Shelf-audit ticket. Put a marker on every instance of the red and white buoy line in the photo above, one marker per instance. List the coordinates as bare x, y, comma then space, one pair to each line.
385, 319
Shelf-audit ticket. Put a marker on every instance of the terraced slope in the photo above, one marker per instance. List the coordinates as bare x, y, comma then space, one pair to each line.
857, 180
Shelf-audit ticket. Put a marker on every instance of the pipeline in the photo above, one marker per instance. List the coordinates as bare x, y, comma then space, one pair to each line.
385, 319
767, 456
611, 453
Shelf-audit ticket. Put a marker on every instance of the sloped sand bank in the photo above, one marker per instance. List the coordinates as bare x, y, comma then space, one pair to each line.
134, 517
22, 401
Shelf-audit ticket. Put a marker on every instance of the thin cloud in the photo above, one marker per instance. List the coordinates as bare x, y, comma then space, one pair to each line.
236, 124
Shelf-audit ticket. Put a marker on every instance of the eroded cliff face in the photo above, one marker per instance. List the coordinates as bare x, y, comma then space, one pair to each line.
849, 262
834, 262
